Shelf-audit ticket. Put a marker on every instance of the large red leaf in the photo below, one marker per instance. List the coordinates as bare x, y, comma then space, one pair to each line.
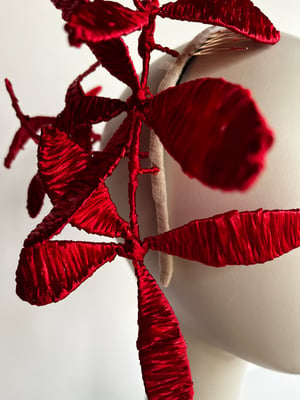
233, 238
103, 20
100, 165
213, 129
60, 163
49, 272
238, 15
162, 350
114, 56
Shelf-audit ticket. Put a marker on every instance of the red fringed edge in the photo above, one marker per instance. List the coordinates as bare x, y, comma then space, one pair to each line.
233, 238
162, 349
49, 272
238, 15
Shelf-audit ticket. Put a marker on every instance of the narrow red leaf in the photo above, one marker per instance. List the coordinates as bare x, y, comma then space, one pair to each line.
35, 197
233, 238
49, 272
162, 349
100, 165
213, 129
103, 20
114, 56
238, 15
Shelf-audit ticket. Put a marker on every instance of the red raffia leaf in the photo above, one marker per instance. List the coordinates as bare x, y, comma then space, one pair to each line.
213, 129
88, 110
68, 6
233, 238
75, 90
58, 153
103, 20
99, 167
238, 15
36, 195
114, 56
162, 349
49, 272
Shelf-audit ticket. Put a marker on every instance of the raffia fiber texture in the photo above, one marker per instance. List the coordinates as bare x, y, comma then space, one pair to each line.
73, 174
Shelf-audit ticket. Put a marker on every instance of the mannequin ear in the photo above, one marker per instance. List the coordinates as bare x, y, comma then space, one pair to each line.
213, 129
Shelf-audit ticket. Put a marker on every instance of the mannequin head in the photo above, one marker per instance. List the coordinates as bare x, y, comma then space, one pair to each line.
251, 312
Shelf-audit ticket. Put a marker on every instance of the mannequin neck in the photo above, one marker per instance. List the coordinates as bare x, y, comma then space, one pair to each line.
217, 375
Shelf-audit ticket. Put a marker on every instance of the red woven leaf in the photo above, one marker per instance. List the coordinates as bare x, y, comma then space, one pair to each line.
88, 110
103, 20
114, 56
162, 350
233, 238
99, 167
213, 129
238, 15
49, 272
68, 6
58, 153
35, 197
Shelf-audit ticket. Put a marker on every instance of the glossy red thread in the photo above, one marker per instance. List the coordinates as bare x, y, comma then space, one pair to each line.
233, 238
73, 175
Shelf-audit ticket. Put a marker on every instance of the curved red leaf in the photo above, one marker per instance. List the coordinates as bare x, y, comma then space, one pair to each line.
68, 6
49, 272
100, 165
103, 20
58, 153
162, 349
238, 15
233, 238
213, 129
88, 110
114, 56
35, 197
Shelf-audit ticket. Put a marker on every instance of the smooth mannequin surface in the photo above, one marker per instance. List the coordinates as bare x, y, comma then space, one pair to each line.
250, 312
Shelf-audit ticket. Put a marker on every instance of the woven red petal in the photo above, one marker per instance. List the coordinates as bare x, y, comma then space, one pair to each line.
98, 168
68, 6
49, 272
35, 196
162, 349
114, 56
233, 238
88, 110
58, 153
213, 129
103, 20
238, 15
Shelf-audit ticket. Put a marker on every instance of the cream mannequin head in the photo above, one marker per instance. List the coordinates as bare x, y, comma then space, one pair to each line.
251, 312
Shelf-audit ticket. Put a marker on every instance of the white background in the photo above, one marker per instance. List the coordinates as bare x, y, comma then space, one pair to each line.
83, 347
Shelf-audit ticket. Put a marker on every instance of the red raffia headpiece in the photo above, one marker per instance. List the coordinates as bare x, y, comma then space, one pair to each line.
73, 175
